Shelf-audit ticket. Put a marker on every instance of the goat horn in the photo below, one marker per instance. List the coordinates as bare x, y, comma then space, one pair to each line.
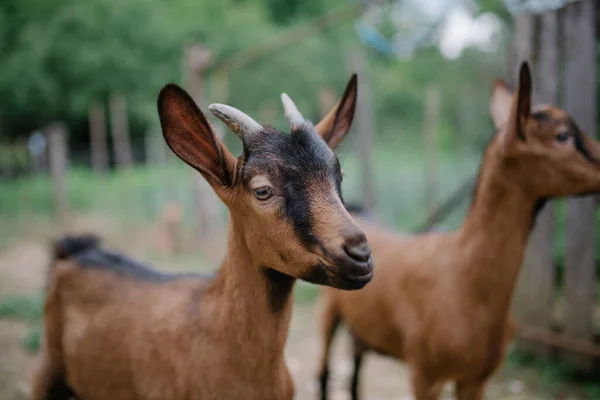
292, 115
240, 123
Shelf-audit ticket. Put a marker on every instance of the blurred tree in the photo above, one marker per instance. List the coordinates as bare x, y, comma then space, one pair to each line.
60, 56
496, 7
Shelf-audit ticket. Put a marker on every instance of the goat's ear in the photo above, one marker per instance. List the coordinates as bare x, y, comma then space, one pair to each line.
520, 109
334, 126
190, 136
500, 104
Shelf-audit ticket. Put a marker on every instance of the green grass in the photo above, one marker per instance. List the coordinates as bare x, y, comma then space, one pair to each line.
24, 307
554, 376
27, 308
305, 293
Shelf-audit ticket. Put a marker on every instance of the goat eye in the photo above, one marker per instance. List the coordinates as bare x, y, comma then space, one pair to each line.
263, 192
563, 136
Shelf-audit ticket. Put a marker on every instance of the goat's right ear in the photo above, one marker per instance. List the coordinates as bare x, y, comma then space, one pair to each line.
190, 136
334, 126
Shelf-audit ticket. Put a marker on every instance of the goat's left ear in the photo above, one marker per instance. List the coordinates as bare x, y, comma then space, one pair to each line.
500, 103
336, 124
520, 108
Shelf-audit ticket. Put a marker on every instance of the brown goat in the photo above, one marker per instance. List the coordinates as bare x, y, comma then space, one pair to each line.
440, 301
114, 329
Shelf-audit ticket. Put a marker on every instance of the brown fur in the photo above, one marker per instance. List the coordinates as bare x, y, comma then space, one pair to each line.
440, 301
108, 335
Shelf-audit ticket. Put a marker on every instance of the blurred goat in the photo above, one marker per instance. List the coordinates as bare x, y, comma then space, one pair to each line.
114, 329
440, 301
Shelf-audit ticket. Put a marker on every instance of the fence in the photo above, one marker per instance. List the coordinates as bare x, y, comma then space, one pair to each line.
555, 41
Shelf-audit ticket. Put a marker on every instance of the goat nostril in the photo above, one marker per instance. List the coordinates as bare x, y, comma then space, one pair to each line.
360, 252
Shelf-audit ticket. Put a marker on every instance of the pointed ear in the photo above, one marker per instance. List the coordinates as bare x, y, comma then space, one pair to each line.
520, 108
500, 104
190, 136
334, 126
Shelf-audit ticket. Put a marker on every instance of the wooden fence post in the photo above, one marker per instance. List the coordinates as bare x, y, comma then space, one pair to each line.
119, 126
539, 276
56, 134
432, 107
97, 122
364, 122
198, 58
580, 102
525, 301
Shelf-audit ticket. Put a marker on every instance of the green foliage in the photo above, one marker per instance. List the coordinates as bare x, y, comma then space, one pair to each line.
554, 374
496, 7
32, 341
60, 56
28, 308
305, 293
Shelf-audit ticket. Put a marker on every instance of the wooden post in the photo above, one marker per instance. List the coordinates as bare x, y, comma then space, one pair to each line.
198, 58
97, 121
364, 122
580, 102
432, 107
523, 45
37, 144
538, 273
57, 149
119, 126
525, 300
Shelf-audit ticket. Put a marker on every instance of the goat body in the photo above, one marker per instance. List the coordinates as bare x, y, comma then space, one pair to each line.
153, 336
440, 301
115, 330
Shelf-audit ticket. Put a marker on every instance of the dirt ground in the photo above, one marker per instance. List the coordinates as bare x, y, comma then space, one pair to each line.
22, 270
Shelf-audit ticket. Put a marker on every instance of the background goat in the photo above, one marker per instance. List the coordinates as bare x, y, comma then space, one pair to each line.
114, 329
440, 301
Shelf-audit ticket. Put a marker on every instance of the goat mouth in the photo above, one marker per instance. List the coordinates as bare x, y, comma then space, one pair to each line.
349, 276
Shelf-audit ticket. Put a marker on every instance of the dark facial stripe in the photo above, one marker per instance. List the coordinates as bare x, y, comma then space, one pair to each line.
297, 209
537, 207
579, 143
279, 288
541, 116
295, 163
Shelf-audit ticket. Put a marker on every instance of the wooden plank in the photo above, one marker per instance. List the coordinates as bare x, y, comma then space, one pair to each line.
580, 102
523, 45
565, 342
526, 303
56, 134
119, 126
207, 204
524, 300
365, 128
539, 275
97, 122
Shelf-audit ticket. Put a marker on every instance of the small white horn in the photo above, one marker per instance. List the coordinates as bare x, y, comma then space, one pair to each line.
292, 114
240, 123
